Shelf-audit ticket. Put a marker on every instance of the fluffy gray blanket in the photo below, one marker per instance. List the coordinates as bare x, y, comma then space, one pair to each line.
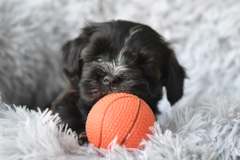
206, 38
208, 130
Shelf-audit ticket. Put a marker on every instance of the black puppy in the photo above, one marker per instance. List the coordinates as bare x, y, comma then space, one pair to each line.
116, 56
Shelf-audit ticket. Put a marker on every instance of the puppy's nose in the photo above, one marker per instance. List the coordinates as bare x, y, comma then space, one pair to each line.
110, 80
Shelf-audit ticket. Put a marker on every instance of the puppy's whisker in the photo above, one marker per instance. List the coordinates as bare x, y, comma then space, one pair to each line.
150, 91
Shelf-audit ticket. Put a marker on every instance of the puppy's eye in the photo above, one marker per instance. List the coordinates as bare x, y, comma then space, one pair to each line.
99, 59
135, 55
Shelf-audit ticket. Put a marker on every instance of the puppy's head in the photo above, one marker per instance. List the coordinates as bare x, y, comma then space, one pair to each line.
121, 56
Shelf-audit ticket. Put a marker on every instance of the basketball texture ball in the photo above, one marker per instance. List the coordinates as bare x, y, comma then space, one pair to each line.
120, 115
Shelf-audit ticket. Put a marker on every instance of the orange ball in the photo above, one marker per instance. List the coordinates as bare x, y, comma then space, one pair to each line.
119, 114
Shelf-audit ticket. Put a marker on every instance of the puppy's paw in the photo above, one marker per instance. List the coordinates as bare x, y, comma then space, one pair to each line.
82, 139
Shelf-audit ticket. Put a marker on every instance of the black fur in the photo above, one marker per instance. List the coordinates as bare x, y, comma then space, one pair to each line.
95, 68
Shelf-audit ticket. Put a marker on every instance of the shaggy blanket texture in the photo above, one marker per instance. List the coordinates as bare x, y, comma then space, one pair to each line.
208, 130
206, 39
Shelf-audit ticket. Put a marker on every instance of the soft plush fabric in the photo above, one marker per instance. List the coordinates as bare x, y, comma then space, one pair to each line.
208, 130
206, 39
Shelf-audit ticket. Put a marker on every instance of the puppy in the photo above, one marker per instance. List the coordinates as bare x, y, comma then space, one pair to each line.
116, 56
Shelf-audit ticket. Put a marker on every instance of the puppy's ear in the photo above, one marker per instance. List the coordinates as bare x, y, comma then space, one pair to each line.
72, 63
175, 80
72, 55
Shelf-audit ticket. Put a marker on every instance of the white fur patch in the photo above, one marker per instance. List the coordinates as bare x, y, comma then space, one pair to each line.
114, 68
132, 31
